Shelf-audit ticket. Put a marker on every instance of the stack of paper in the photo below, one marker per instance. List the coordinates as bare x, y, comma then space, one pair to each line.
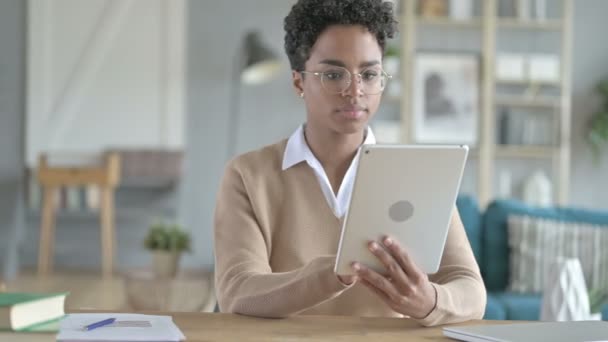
126, 328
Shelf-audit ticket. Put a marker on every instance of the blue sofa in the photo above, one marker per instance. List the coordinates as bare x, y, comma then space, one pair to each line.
487, 233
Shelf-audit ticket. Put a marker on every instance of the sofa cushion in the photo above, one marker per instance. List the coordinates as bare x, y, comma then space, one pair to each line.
520, 307
495, 253
536, 243
495, 309
471, 219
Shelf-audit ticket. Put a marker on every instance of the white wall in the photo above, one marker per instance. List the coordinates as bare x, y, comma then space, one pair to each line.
104, 74
589, 181
12, 78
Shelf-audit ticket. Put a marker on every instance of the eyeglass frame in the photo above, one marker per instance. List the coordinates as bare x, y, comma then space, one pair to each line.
350, 81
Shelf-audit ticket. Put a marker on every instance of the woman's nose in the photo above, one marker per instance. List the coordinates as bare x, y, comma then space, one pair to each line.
355, 88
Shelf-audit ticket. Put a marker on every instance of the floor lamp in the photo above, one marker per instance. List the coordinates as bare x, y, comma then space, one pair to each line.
255, 63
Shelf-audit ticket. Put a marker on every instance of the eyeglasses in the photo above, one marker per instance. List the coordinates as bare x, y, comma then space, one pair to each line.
337, 80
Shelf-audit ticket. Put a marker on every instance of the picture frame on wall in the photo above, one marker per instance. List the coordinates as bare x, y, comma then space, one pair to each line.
446, 98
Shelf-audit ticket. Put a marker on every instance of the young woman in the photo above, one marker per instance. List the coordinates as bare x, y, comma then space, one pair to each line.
279, 209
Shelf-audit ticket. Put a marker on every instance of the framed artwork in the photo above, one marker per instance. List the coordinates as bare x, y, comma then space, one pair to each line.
446, 98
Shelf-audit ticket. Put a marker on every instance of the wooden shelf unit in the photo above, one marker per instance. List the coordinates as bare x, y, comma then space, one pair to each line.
487, 151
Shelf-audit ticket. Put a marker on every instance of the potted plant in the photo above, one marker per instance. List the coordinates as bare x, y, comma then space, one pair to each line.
167, 242
598, 129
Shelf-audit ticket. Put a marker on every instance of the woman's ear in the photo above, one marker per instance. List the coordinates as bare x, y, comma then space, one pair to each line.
298, 82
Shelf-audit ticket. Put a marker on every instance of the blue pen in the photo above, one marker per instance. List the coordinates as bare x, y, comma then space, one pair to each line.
99, 324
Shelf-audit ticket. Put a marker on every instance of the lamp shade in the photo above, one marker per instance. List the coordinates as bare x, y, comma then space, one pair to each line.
260, 63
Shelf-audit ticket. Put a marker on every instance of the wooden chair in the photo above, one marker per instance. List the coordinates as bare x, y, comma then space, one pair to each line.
106, 177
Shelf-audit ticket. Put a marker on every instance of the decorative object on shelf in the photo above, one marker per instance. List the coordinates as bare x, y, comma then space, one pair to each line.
167, 241
543, 68
598, 126
461, 9
538, 190
565, 295
533, 68
446, 98
510, 67
433, 8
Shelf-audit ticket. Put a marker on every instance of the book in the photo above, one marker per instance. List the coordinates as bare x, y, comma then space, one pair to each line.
27, 311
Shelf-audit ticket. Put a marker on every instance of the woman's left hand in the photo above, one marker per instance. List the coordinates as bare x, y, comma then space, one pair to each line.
404, 288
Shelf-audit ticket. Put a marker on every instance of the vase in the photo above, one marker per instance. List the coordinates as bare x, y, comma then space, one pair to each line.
165, 263
538, 190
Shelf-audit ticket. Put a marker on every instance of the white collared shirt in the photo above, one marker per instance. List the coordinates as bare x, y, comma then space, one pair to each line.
297, 151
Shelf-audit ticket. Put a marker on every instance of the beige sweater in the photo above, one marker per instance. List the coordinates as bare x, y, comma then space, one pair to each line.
275, 245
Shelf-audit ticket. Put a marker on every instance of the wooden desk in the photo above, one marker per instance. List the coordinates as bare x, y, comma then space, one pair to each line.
200, 327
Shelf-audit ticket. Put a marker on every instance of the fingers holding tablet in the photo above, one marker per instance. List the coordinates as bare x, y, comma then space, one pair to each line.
403, 287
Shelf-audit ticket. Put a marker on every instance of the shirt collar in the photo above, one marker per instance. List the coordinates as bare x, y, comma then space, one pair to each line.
297, 149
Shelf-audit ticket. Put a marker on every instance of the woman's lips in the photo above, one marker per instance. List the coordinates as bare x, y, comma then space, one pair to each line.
352, 112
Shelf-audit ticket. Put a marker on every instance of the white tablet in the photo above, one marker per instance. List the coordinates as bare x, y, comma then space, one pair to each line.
407, 192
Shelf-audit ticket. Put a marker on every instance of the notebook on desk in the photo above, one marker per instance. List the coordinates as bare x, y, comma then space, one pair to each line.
125, 328
581, 331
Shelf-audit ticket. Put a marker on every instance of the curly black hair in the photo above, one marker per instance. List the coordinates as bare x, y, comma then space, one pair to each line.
309, 18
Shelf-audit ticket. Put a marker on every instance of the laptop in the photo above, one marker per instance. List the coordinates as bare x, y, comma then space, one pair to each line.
531, 332
407, 192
